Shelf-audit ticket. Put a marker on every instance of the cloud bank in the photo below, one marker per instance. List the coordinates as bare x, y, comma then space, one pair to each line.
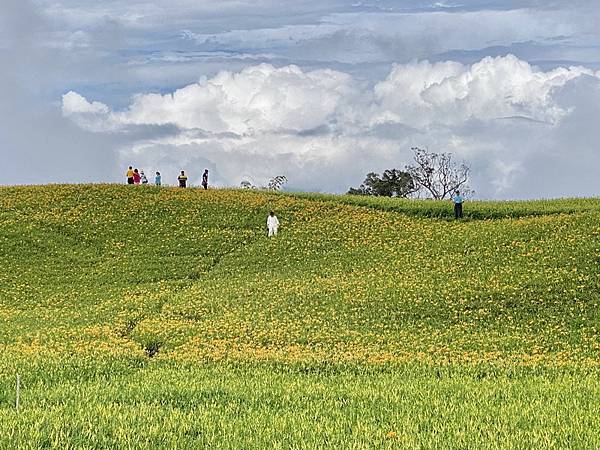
357, 93
325, 129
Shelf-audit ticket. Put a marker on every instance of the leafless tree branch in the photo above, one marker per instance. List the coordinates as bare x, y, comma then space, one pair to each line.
437, 174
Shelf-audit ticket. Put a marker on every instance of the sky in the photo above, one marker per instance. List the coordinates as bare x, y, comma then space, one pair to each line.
322, 92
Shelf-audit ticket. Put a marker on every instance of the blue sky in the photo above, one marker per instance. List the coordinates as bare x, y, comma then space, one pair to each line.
320, 91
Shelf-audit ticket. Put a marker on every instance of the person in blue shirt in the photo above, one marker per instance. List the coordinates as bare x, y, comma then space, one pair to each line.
458, 203
157, 179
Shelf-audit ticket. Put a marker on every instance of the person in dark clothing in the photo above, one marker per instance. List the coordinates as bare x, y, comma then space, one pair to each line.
182, 179
205, 179
458, 205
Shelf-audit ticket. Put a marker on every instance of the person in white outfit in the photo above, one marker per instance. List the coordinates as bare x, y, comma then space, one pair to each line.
272, 224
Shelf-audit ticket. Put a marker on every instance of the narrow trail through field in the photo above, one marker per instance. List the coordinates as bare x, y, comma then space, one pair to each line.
152, 348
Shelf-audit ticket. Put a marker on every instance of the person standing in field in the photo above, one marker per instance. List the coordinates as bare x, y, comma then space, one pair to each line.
130, 175
205, 179
458, 205
182, 179
143, 177
272, 224
157, 179
136, 177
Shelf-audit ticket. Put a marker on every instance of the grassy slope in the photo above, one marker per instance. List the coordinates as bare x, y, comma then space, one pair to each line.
365, 316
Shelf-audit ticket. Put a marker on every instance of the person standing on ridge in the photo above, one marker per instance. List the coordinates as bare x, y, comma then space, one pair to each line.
458, 205
272, 224
182, 179
130, 175
157, 179
136, 177
205, 179
143, 177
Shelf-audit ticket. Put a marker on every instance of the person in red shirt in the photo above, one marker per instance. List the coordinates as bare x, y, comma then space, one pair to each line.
136, 177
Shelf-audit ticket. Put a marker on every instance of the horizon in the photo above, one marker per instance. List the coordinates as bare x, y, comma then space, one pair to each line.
284, 191
322, 93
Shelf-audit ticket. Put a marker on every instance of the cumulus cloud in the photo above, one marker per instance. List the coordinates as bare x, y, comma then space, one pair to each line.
74, 104
258, 99
92, 116
423, 94
324, 129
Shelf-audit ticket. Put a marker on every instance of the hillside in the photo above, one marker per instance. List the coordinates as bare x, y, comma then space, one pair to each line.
161, 317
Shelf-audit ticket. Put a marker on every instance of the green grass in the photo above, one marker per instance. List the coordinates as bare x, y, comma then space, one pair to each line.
231, 406
475, 210
144, 317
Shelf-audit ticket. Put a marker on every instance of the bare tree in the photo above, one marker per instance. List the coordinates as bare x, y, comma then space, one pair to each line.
437, 174
275, 184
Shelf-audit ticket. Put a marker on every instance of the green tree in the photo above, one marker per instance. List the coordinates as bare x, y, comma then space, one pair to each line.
392, 183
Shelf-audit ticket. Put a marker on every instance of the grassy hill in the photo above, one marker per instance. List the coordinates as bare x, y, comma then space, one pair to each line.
146, 317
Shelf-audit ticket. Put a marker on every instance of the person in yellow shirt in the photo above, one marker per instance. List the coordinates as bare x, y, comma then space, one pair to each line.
182, 179
130, 175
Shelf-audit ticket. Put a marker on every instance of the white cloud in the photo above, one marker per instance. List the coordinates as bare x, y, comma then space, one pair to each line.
92, 116
318, 128
258, 99
422, 94
358, 36
74, 104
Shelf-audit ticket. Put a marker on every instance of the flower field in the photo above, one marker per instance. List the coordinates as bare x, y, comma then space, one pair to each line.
141, 317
